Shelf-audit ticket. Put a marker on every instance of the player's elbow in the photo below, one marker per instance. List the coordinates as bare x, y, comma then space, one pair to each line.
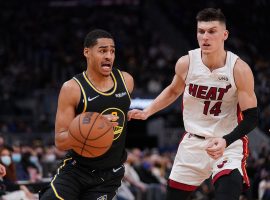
58, 145
61, 142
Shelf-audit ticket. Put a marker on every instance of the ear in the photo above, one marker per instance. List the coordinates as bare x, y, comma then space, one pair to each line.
86, 51
226, 34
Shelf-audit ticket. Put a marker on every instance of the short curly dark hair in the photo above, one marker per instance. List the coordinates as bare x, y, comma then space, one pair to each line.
211, 14
91, 38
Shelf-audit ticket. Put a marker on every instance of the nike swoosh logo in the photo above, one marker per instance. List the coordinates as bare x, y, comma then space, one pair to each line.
117, 169
91, 99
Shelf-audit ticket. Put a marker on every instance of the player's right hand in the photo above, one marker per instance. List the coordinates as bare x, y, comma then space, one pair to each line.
137, 114
216, 147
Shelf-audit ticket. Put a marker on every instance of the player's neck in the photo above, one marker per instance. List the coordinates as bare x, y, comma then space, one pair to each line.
214, 60
102, 83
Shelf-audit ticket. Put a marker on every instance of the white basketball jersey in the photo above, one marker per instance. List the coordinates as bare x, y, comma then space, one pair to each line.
210, 98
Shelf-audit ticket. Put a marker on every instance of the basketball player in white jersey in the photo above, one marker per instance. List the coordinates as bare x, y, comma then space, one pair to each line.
219, 109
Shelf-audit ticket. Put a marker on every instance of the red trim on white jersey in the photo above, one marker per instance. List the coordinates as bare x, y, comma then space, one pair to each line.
181, 186
245, 149
221, 173
244, 161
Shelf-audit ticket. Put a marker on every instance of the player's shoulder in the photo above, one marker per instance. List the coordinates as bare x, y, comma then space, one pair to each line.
70, 86
128, 80
241, 67
70, 92
182, 64
127, 75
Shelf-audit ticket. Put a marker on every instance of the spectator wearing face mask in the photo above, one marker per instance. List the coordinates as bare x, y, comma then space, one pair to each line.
31, 166
16, 156
9, 181
49, 162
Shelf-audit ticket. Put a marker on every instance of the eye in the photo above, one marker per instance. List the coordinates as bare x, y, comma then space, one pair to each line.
212, 31
201, 31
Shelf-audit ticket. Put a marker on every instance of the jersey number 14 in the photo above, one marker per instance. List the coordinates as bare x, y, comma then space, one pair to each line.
214, 110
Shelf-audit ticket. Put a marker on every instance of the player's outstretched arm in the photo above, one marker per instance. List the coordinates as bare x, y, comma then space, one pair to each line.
67, 101
168, 95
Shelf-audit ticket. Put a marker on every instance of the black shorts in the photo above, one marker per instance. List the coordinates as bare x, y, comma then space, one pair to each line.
73, 182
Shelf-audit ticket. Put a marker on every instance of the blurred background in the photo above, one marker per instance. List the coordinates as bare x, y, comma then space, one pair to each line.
41, 46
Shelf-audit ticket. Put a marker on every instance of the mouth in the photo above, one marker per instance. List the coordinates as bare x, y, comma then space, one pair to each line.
106, 66
206, 45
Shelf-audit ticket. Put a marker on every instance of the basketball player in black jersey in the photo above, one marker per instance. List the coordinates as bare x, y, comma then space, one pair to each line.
104, 89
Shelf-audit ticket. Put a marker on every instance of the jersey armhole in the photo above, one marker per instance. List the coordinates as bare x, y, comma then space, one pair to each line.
124, 82
235, 58
83, 93
189, 70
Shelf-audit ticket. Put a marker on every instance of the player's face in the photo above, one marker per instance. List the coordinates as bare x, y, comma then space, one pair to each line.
101, 56
211, 36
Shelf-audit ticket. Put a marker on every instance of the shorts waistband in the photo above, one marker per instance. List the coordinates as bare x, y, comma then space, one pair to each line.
98, 169
197, 136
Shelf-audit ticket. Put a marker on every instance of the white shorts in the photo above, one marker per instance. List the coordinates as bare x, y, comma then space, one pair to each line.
192, 165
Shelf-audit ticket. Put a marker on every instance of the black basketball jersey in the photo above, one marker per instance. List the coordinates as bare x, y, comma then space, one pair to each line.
116, 102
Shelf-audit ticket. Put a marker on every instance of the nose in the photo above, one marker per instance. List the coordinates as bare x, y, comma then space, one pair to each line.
205, 35
109, 55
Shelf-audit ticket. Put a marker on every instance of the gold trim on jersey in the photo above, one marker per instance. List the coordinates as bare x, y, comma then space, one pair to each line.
124, 82
58, 170
84, 95
103, 93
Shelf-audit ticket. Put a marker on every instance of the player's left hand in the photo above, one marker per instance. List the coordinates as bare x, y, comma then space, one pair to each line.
216, 147
112, 118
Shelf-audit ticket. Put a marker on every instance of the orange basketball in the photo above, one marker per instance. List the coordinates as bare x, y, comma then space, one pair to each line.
91, 134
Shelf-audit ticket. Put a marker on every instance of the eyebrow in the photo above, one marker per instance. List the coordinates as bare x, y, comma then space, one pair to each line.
215, 27
102, 47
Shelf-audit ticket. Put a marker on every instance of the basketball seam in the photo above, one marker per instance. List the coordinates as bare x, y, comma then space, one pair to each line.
104, 147
85, 140
100, 135
85, 144
93, 153
80, 127
74, 137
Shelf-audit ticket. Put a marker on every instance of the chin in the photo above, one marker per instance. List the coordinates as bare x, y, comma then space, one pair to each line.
106, 74
206, 51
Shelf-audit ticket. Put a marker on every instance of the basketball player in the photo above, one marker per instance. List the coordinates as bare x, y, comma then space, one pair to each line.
104, 89
218, 92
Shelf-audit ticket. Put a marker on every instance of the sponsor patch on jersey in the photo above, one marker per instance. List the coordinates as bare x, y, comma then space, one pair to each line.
121, 94
223, 78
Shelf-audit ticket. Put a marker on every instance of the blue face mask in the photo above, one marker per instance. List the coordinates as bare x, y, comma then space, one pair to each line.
6, 160
16, 157
34, 159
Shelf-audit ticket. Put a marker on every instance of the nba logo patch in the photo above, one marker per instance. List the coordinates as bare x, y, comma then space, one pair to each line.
104, 197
